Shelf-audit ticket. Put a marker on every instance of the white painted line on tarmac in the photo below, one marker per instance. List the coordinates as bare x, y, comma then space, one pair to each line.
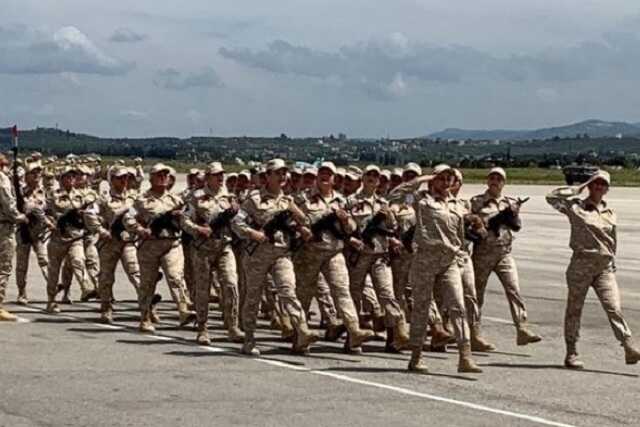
346, 378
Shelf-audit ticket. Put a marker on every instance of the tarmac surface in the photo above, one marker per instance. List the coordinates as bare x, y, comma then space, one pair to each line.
71, 370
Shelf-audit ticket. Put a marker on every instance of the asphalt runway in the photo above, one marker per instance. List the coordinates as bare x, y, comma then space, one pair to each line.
70, 370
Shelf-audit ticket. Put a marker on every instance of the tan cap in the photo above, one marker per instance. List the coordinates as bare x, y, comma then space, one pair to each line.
118, 171
172, 172
328, 165
396, 172
341, 171
68, 170
371, 168
276, 164
159, 167
32, 166
386, 173
603, 175
296, 170
214, 168
354, 173
413, 167
36, 155
310, 171
499, 171
138, 160
458, 174
232, 175
441, 168
194, 171
245, 173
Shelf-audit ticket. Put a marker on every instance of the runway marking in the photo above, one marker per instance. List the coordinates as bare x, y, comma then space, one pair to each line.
340, 377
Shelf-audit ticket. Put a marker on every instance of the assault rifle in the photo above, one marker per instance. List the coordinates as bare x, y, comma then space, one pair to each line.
281, 221
474, 230
327, 223
506, 217
117, 227
375, 228
407, 238
162, 222
222, 221
72, 219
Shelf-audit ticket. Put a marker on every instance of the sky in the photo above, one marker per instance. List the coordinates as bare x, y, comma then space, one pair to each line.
366, 68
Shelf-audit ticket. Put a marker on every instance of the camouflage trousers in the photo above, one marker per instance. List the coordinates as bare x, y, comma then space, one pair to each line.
92, 263
7, 252
223, 262
23, 252
72, 253
469, 289
315, 268
503, 264
429, 273
165, 254
111, 252
597, 272
400, 269
381, 278
189, 279
277, 261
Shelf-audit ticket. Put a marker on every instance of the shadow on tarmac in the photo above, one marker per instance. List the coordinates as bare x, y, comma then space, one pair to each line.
557, 367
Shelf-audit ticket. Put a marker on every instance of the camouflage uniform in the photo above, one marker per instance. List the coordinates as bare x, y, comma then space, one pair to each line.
594, 242
68, 245
256, 211
9, 216
162, 251
113, 248
373, 261
186, 241
322, 261
35, 204
213, 254
493, 254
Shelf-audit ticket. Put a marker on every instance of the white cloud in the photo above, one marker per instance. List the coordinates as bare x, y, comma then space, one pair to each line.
27, 51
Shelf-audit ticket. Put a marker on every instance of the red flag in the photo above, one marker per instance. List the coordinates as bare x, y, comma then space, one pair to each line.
14, 131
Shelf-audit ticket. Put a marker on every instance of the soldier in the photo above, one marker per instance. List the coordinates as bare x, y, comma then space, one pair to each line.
439, 237
396, 176
271, 254
383, 186
154, 219
9, 217
38, 229
323, 255
309, 176
338, 180
195, 181
493, 254
468, 277
369, 254
65, 209
230, 182
594, 243
136, 184
212, 251
115, 244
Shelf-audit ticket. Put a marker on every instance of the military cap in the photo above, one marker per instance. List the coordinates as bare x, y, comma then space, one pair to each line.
441, 168
413, 167
310, 171
600, 175
118, 171
371, 168
499, 171
276, 164
214, 168
328, 165
159, 167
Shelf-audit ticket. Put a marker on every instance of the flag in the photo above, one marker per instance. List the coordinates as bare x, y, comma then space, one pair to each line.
14, 131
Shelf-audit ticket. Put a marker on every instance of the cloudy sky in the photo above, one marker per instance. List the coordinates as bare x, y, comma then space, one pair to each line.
312, 67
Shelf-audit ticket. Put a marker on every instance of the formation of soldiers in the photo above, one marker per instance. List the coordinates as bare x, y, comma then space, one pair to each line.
394, 254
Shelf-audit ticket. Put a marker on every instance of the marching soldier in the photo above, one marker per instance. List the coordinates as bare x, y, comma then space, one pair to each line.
65, 209
594, 243
9, 217
369, 255
270, 254
493, 254
115, 244
38, 229
154, 219
323, 254
211, 210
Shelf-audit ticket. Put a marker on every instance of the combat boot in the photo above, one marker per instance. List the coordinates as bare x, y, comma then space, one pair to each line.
631, 352
153, 315
525, 336
235, 334
416, 365
5, 316
186, 316
146, 327
571, 361
400, 335
88, 294
203, 335
466, 363
439, 338
52, 308
334, 332
379, 324
358, 336
303, 339
106, 315
478, 342
22, 297
249, 346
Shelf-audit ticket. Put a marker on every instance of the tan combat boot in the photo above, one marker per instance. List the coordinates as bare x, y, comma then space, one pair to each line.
400, 335
146, 327
303, 339
478, 342
5, 316
334, 332
249, 346
439, 337
22, 297
52, 307
571, 361
416, 365
186, 316
466, 363
631, 352
106, 315
525, 336
203, 335
286, 327
357, 336
88, 294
